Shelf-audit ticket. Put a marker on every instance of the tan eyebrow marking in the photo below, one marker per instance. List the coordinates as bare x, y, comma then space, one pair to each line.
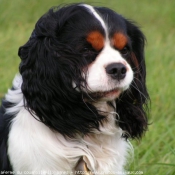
96, 39
119, 40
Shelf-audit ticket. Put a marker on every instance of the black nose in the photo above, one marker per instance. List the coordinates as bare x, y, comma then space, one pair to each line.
116, 71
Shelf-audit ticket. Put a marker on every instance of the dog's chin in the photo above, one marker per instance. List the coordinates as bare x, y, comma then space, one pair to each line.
105, 95
112, 95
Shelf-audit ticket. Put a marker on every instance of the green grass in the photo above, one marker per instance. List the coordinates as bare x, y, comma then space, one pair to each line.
155, 153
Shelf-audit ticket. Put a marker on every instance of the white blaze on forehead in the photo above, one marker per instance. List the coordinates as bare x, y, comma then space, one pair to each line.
97, 16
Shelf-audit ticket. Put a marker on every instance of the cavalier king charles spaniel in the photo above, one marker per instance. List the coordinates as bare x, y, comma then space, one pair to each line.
80, 95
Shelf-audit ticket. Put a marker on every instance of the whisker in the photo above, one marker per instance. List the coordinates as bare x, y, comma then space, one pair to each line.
117, 115
129, 94
89, 96
141, 94
88, 106
138, 80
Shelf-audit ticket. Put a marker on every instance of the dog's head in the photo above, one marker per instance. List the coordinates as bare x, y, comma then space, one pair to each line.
78, 54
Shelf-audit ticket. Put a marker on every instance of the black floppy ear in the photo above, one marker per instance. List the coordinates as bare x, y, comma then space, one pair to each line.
132, 104
49, 68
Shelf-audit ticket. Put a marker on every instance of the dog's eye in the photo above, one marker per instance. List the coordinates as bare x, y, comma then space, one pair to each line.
124, 51
86, 49
89, 53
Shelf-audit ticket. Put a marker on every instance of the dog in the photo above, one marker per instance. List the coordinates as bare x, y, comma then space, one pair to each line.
79, 97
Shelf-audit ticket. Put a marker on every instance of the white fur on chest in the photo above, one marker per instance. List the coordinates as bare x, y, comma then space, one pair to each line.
34, 147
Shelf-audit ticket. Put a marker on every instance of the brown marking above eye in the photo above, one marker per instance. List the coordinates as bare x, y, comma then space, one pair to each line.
96, 39
119, 40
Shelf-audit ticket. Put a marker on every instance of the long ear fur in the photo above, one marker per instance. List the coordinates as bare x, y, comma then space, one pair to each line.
132, 105
48, 70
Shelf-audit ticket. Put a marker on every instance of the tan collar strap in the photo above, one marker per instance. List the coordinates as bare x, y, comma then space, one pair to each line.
81, 168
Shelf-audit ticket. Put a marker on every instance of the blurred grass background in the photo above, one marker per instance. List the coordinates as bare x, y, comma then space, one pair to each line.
155, 153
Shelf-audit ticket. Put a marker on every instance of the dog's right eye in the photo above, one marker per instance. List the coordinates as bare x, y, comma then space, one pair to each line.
89, 53
86, 49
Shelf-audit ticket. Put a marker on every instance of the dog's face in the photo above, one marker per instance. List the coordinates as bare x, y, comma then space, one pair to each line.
105, 44
109, 74
82, 52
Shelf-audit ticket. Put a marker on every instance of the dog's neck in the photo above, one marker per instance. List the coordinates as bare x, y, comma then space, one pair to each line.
107, 109
106, 137
104, 106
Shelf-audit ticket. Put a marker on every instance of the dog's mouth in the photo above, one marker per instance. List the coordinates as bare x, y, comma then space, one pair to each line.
105, 95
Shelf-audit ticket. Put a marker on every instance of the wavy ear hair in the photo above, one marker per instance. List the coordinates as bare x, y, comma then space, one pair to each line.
48, 70
132, 105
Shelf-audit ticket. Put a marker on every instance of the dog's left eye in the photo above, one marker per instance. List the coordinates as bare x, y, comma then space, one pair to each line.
125, 51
